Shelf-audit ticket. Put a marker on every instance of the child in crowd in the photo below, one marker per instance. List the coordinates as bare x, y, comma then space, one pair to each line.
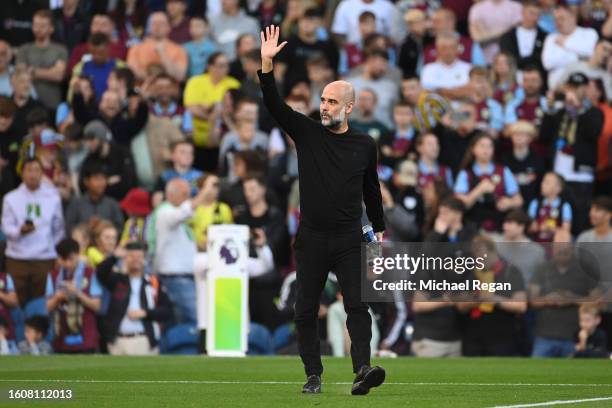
428, 148
591, 340
82, 235
487, 189
181, 155
550, 212
104, 240
200, 47
35, 331
394, 146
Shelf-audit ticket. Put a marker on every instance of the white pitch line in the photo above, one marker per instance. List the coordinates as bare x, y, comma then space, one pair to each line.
212, 382
557, 402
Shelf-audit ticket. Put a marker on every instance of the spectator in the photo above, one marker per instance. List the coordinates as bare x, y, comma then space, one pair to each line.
104, 240
73, 297
529, 104
403, 205
526, 167
158, 49
82, 234
33, 223
550, 212
489, 112
45, 60
430, 170
268, 12
492, 317
411, 50
21, 81
486, 188
568, 45
319, 75
9, 138
125, 124
455, 132
489, 20
375, 66
437, 331
503, 77
200, 47
7, 347
429, 107
596, 67
211, 211
555, 291
71, 22
93, 204
352, 54
137, 207
592, 341
596, 94
246, 137
179, 21
174, 247
526, 40
181, 156
229, 24
84, 85
17, 17
75, 153
572, 134
100, 23
515, 247
99, 67
113, 158
165, 103
259, 213
202, 97
245, 43
291, 64
8, 301
364, 120
35, 331
131, 18
6, 68
444, 22
547, 16
373, 42
345, 25
131, 324
600, 216
395, 145
448, 75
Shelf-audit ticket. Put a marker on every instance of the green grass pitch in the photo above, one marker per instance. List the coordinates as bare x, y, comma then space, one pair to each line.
192, 381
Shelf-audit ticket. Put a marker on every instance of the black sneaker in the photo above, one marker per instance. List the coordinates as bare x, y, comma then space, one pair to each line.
313, 385
367, 377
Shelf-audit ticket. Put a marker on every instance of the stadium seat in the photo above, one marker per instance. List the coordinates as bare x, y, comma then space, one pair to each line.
180, 339
17, 318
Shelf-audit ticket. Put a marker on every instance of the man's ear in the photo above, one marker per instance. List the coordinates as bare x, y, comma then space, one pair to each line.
349, 107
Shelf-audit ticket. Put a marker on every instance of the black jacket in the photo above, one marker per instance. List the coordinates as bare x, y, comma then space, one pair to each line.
118, 162
123, 126
119, 286
588, 130
509, 43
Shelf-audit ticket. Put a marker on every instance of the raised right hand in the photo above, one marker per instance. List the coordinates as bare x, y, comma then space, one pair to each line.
269, 43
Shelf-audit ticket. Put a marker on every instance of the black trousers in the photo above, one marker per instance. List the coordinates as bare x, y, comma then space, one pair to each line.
317, 253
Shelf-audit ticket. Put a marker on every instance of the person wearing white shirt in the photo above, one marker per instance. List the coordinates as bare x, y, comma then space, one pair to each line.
568, 45
388, 20
33, 222
175, 247
449, 75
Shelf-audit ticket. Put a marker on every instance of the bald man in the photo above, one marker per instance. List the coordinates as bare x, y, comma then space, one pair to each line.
175, 247
337, 170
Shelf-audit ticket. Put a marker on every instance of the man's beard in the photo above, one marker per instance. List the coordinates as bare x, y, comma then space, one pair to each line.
333, 122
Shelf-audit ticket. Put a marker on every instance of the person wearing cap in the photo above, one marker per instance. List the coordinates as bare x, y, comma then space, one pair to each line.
292, 61
94, 203
569, 44
114, 158
33, 222
571, 129
131, 322
137, 206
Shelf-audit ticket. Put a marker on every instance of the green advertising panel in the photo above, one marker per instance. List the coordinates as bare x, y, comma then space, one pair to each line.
228, 310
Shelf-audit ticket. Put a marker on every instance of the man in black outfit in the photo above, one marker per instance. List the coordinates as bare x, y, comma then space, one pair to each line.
337, 170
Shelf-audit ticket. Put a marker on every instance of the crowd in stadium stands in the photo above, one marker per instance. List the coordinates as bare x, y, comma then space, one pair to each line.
128, 127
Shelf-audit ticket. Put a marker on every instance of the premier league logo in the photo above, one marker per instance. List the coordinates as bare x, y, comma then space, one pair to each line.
229, 252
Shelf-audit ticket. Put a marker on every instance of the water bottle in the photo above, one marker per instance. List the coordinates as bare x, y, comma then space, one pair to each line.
368, 233
373, 248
